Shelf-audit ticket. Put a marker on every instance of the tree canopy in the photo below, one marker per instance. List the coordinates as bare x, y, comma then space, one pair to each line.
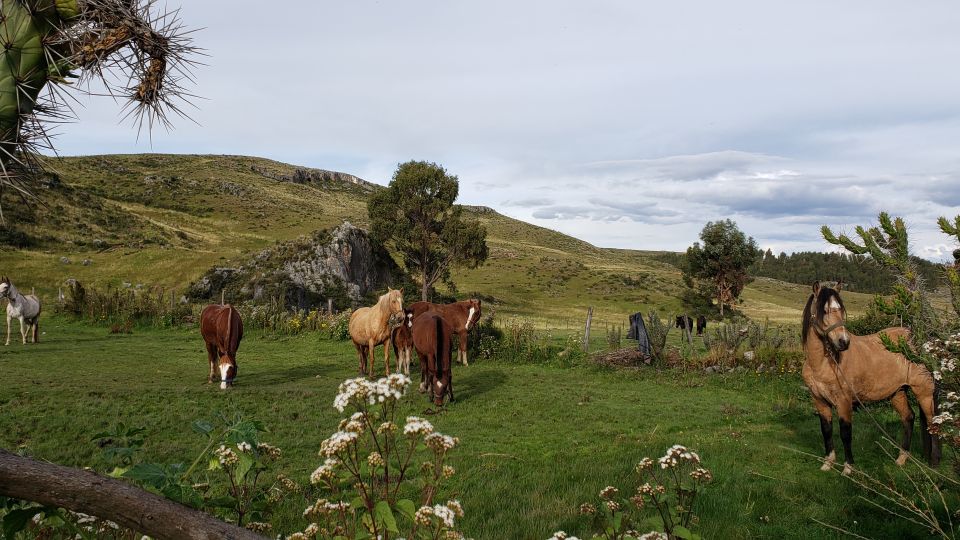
722, 261
416, 215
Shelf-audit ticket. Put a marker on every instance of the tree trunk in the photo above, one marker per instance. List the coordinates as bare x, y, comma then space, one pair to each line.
106, 498
426, 287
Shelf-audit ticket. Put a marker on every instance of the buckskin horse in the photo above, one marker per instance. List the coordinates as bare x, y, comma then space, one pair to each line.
222, 330
402, 338
26, 308
843, 370
370, 326
432, 334
462, 316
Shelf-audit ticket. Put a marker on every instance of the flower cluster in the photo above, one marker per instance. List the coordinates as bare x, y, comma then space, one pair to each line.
560, 535
337, 443
676, 455
440, 443
945, 353
226, 456
360, 390
417, 426
327, 471
665, 492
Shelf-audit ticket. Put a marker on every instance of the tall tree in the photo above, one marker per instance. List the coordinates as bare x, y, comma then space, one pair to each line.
416, 214
722, 260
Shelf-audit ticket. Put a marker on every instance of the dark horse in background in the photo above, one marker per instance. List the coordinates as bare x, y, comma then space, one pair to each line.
844, 370
432, 336
462, 316
701, 324
222, 330
684, 320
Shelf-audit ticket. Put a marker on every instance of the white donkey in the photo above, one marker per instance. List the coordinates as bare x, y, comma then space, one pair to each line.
26, 308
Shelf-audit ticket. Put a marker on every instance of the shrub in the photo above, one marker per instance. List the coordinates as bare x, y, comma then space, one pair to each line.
372, 464
664, 498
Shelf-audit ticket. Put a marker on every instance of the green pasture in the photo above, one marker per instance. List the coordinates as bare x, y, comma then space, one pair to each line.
537, 440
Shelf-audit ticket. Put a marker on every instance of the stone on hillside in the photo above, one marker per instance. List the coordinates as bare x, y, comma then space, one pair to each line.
64, 260
86, 262
748, 356
342, 264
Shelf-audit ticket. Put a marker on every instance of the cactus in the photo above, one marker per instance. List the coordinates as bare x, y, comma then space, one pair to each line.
953, 271
888, 246
48, 44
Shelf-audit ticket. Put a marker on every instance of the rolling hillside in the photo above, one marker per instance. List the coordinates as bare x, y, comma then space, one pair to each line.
162, 220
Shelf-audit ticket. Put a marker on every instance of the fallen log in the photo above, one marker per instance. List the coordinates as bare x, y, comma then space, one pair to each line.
106, 498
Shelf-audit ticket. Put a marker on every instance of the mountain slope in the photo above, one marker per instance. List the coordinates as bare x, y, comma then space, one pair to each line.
162, 220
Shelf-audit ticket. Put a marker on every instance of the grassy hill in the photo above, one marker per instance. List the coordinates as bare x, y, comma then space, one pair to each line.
162, 220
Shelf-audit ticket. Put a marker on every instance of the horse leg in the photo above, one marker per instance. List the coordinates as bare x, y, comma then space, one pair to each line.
902, 405
386, 355
8, 330
371, 358
826, 429
212, 360
928, 408
36, 330
360, 355
463, 350
845, 412
23, 331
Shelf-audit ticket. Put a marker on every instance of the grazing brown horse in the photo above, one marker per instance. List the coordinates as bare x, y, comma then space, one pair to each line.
843, 370
462, 316
402, 338
370, 326
431, 338
222, 330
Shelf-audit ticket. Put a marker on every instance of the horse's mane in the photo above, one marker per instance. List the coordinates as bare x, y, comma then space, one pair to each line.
822, 297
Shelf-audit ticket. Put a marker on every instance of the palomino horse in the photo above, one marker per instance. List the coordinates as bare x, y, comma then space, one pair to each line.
431, 338
843, 370
370, 326
222, 330
462, 316
23, 307
402, 338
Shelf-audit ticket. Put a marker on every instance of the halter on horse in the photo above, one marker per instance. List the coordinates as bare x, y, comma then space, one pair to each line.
26, 308
843, 370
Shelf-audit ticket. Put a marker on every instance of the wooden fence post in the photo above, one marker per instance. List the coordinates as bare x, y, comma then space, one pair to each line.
586, 332
330, 306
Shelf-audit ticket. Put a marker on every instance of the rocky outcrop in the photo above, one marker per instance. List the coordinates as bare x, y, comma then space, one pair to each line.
341, 264
316, 176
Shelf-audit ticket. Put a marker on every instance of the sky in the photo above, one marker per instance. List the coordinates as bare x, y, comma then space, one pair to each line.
624, 123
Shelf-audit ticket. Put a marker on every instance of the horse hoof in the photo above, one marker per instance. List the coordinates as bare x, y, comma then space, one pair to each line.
847, 469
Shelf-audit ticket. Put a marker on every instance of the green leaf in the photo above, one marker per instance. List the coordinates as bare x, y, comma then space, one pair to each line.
617, 520
357, 503
682, 532
16, 520
243, 467
407, 508
151, 474
202, 427
384, 514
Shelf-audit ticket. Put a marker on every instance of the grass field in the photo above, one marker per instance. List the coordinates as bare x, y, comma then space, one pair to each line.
537, 440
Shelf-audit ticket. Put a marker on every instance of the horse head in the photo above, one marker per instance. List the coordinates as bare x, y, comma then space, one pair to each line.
228, 371
828, 316
4, 287
473, 314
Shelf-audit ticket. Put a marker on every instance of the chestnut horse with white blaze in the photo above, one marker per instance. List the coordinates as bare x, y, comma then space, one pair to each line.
222, 330
432, 335
370, 326
26, 308
462, 317
843, 370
